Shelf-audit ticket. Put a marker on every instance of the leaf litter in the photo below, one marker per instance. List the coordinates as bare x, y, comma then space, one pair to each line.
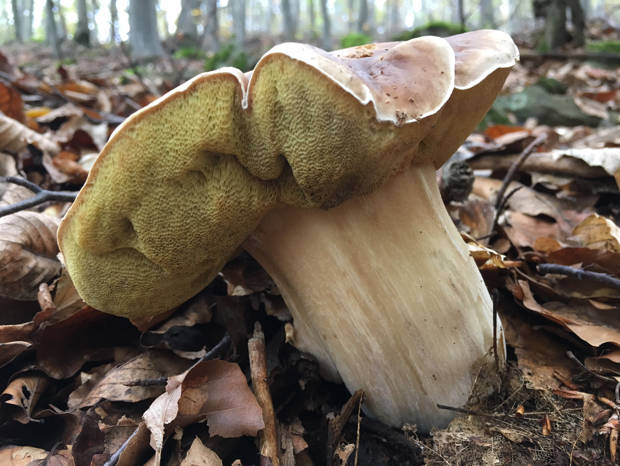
81, 387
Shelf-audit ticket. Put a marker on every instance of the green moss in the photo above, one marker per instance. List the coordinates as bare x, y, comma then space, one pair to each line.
354, 39
432, 28
189, 52
552, 86
228, 56
604, 46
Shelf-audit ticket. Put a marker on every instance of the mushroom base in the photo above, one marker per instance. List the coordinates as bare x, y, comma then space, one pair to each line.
384, 294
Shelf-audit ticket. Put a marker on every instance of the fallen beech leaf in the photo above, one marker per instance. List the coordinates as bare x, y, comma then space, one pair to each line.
592, 325
11, 103
83, 328
605, 261
27, 254
494, 131
132, 381
14, 137
213, 390
539, 355
23, 393
9, 351
598, 232
199, 455
21, 456
38, 112
607, 158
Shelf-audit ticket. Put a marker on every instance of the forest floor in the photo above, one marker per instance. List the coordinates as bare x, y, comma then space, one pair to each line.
76, 382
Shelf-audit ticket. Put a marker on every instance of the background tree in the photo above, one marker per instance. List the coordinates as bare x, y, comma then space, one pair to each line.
186, 25
238, 20
114, 37
143, 33
17, 21
211, 40
82, 30
51, 31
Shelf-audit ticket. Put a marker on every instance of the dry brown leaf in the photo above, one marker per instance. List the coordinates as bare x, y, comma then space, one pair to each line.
9, 351
539, 355
589, 323
23, 392
598, 232
213, 390
21, 456
83, 328
199, 455
14, 137
605, 261
27, 254
606, 158
132, 381
11, 103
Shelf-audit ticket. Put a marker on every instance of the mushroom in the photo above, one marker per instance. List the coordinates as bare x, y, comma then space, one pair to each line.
322, 166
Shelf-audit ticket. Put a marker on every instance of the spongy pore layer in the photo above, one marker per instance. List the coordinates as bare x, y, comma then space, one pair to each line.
184, 181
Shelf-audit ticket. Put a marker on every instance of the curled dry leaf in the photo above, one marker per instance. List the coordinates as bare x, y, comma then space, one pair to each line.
132, 381
213, 390
27, 254
598, 232
22, 395
9, 351
607, 158
14, 137
199, 455
593, 325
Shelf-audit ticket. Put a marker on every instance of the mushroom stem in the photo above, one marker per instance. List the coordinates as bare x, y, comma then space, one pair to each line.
384, 294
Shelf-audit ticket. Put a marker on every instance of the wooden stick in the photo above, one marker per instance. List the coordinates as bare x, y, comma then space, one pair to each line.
268, 437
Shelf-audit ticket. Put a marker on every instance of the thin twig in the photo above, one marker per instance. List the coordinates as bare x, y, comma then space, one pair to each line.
502, 199
218, 349
359, 422
495, 295
514, 168
41, 195
268, 437
602, 278
574, 358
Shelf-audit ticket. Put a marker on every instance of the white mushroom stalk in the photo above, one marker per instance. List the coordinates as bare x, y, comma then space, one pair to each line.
383, 292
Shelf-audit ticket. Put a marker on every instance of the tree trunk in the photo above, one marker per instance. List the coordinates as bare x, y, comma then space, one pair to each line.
362, 20
17, 21
289, 22
114, 37
350, 16
186, 26
94, 6
460, 12
238, 14
29, 14
51, 32
211, 39
82, 32
296, 7
143, 34
327, 34
311, 18
555, 24
579, 22
487, 14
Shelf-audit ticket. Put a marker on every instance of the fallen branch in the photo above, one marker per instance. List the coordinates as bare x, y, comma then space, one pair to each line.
41, 195
580, 274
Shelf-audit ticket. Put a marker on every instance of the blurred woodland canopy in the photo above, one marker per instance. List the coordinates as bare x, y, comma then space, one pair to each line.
208, 24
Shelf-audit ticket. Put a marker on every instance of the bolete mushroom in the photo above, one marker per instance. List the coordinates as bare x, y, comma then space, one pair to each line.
322, 166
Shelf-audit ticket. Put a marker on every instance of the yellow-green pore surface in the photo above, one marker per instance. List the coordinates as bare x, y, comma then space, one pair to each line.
182, 183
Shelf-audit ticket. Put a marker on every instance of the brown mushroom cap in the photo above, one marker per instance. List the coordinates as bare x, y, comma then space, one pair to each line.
184, 181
